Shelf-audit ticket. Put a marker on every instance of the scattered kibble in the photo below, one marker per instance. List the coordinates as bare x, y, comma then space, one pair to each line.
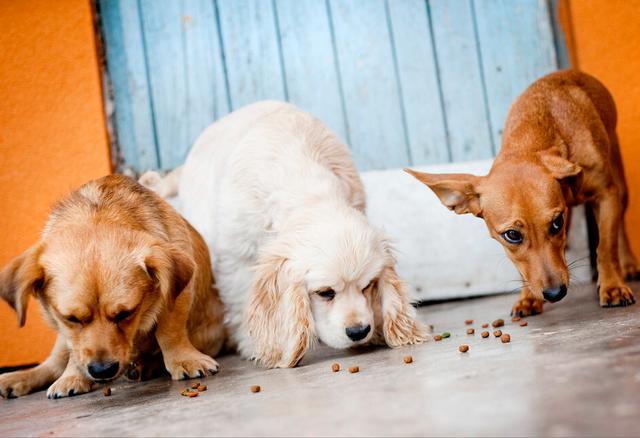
195, 385
470, 331
497, 323
201, 388
189, 392
407, 359
515, 319
463, 348
524, 323
497, 333
446, 335
484, 334
437, 338
255, 388
354, 369
431, 327
485, 325
106, 391
335, 367
505, 338
468, 321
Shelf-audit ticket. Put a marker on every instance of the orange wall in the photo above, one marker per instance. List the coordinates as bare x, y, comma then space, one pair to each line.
52, 135
604, 38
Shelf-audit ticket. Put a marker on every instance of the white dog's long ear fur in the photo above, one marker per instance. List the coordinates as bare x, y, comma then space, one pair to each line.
279, 315
395, 317
22, 277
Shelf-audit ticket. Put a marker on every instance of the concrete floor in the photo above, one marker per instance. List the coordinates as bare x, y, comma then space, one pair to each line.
575, 370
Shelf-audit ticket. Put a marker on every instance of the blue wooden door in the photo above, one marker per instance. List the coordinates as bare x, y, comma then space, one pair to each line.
403, 82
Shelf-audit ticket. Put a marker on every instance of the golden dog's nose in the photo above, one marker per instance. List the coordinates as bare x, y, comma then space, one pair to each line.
103, 370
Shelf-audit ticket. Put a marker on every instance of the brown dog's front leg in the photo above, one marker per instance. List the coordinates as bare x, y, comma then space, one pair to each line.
527, 304
181, 358
611, 288
24, 382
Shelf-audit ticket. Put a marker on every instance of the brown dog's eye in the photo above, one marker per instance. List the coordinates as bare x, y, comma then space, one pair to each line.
72, 319
556, 225
512, 236
327, 294
121, 316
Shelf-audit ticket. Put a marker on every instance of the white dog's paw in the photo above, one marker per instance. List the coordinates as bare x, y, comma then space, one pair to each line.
68, 386
15, 384
191, 366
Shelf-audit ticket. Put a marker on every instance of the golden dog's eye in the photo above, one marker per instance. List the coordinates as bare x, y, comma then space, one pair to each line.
556, 225
121, 316
72, 319
328, 294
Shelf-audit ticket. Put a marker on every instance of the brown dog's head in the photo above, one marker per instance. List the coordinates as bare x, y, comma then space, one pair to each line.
524, 205
101, 287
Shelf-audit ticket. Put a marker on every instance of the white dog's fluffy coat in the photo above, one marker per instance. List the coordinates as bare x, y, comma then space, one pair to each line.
280, 204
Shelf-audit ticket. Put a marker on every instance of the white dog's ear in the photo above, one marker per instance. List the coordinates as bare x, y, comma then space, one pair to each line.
170, 267
22, 277
395, 316
279, 315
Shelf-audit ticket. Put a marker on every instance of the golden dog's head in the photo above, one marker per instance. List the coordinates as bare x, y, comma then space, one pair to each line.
101, 286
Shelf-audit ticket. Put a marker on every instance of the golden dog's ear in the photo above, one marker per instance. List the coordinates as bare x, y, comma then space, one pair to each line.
279, 315
457, 191
395, 317
22, 277
170, 267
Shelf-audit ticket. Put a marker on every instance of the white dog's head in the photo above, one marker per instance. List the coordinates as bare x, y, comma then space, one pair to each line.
332, 277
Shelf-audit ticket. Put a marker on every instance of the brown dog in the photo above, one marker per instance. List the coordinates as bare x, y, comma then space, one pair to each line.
122, 277
559, 149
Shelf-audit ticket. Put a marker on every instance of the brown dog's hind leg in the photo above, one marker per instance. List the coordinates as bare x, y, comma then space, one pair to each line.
24, 382
612, 289
527, 304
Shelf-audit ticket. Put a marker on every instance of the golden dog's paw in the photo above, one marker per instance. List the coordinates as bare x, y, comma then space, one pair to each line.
15, 384
527, 307
615, 296
192, 366
631, 271
68, 386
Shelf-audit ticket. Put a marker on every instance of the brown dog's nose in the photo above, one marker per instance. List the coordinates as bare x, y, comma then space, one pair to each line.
358, 333
103, 370
554, 294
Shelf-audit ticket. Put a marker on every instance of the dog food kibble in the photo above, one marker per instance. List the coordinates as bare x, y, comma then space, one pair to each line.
189, 392
446, 335
515, 319
497, 333
195, 385
354, 369
470, 331
106, 391
437, 338
201, 388
335, 367
485, 325
497, 323
468, 321
523, 323
255, 388
463, 348
407, 359
505, 338
484, 334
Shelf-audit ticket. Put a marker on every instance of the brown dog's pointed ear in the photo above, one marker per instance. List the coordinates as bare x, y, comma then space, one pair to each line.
279, 315
170, 267
457, 191
22, 277
568, 173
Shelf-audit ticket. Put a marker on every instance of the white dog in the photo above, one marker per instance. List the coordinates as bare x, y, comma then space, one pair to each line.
280, 204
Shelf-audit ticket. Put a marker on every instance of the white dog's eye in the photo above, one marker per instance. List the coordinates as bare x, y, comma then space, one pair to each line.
368, 286
328, 294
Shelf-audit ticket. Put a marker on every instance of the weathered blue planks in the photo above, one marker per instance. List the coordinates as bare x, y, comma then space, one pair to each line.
402, 81
310, 66
125, 54
461, 79
250, 40
372, 99
516, 42
418, 78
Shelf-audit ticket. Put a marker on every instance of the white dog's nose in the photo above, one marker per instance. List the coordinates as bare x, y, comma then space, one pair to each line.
358, 332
